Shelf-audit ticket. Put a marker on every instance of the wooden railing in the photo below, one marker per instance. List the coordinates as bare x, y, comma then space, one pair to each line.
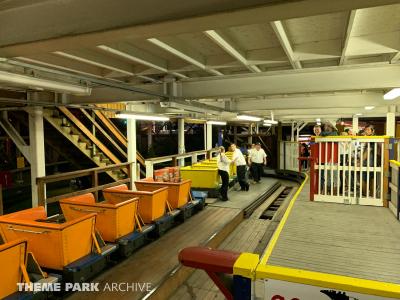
150, 162
116, 133
93, 172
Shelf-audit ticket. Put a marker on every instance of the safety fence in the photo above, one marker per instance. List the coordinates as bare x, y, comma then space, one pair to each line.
350, 170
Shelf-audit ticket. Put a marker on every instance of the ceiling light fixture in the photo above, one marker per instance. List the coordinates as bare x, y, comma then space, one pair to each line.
369, 107
141, 117
359, 114
270, 122
39, 83
248, 118
392, 94
216, 122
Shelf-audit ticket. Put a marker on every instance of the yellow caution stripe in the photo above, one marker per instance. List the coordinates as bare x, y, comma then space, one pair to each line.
246, 265
337, 282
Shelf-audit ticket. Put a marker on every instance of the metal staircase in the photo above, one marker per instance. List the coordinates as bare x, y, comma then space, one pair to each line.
101, 152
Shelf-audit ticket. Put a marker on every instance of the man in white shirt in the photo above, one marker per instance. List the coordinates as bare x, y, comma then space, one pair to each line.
257, 161
223, 164
240, 162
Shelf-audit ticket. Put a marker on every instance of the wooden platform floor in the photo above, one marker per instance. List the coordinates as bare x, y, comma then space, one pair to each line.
241, 199
252, 235
349, 240
154, 261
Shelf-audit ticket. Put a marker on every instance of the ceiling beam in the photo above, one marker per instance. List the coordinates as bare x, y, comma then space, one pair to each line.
141, 57
231, 50
314, 101
96, 60
70, 26
350, 24
184, 56
280, 32
344, 78
116, 68
395, 58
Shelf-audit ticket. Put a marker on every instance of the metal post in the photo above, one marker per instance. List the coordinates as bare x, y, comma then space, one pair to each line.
355, 125
209, 144
250, 137
131, 138
181, 140
391, 121
36, 140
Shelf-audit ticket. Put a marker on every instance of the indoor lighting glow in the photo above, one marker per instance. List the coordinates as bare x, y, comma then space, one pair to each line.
38, 83
216, 122
142, 117
359, 114
270, 122
248, 118
392, 94
319, 123
318, 120
369, 107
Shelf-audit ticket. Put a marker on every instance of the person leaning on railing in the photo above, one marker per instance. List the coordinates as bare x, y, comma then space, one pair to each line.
223, 164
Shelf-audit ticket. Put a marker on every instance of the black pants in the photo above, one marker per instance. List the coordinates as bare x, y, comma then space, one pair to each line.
258, 171
225, 183
241, 176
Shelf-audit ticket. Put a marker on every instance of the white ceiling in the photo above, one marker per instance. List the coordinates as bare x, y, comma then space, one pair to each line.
335, 38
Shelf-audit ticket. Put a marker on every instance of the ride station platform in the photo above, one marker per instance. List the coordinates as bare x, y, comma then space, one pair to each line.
209, 227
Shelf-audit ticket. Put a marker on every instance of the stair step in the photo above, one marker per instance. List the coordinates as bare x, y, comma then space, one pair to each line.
75, 137
58, 121
66, 129
82, 145
87, 152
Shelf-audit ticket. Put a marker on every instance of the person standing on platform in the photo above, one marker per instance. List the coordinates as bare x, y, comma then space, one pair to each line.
240, 162
223, 171
257, 161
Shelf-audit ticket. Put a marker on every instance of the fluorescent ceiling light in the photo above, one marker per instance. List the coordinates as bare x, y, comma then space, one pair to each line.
38, 83
369, 107
216, 122
318, 120
142, 117
359, 114
319, 123
392, 94
248, 118
270, 122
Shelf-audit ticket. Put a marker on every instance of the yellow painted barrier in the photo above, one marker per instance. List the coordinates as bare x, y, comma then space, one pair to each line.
152, 205
54, 245
12, 260
204, 177
114, 218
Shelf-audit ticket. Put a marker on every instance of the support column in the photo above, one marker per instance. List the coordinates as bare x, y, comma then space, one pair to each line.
355, 125
150, 136
391, 121
250, 137
181, 140
131, 137
209, 144
36, 141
